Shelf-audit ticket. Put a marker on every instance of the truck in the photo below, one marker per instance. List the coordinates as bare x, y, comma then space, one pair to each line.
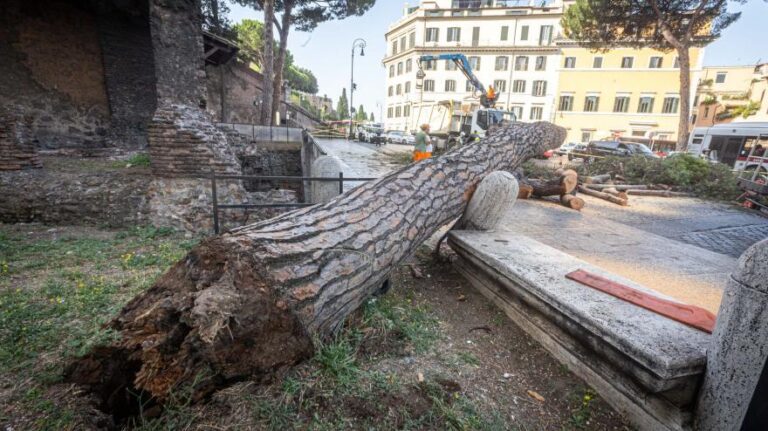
454, 122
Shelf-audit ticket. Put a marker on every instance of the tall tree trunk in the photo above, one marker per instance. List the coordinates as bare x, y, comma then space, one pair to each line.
285, 28
268, 65
250, 302
684, 57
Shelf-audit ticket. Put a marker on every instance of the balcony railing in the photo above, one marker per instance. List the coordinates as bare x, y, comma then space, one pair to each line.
477, 4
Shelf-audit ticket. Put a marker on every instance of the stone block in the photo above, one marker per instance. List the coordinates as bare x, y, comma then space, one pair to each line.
324, 191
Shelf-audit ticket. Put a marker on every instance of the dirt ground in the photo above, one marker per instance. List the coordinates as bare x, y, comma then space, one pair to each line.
432, 353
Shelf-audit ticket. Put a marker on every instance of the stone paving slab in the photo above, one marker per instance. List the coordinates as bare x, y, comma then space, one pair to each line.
688, 273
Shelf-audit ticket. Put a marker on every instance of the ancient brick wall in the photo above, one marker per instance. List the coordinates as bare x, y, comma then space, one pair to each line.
17, 150
183, 142
51, 69
232, 90
130, 76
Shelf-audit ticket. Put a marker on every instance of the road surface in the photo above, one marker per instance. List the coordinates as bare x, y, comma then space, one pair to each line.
361, 159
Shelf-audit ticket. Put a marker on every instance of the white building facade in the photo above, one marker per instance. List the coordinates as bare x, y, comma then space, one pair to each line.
510, 44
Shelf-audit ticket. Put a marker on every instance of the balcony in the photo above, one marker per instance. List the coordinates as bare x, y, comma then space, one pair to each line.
478, 4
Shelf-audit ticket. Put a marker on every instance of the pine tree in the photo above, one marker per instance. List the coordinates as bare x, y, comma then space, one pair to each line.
342, 108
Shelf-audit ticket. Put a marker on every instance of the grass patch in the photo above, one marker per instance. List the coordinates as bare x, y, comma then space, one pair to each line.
582, 413
399, 157
136, 160
56, 295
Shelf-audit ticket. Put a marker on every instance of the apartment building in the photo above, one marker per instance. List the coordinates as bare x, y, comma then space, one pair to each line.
731, 93
621, 92
510, 44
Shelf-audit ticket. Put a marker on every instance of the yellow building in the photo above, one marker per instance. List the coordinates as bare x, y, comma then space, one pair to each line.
621, 92
724, 92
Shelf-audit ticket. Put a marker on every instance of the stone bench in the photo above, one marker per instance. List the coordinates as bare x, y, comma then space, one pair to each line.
645, 365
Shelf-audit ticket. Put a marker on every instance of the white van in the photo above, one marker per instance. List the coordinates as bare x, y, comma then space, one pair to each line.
742, 146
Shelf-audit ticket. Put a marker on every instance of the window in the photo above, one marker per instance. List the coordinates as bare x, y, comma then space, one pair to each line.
536, 112
408, 87
454, 34
502, 63
597, 63
539, 88
400, 68
429, 85
450, 85
429, 65
398, 112
406, 110
402, 44
570, 62
586, 136
621, 104
524, 34
655, 62
518, 86
475, 36
591, 103
720, 77
677, 63
408, 65
671, 105
646, 105
500, 85
541, 62
391, 91
504, 32
521, 63
399, 89
475, 63
566, 103
517, 111
627, 62
545, 35
394, 47
392, 71
450, 65
432, 34
389, 112
412, 40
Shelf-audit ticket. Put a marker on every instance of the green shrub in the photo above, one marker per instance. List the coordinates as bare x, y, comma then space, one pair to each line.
683, 172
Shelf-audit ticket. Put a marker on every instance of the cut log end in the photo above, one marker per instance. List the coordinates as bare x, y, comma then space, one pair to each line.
573, 202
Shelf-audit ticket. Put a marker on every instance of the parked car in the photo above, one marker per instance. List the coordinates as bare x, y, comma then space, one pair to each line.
395, 136
372, 134
617, 149
566, 148
408, 139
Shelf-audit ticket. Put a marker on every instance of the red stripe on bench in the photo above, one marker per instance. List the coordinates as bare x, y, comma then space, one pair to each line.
690, 315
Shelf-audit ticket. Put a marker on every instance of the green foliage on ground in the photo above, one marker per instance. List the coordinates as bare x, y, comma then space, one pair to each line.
684, 172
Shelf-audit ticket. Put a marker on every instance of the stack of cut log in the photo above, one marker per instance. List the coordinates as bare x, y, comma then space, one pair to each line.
610, 189
563, 187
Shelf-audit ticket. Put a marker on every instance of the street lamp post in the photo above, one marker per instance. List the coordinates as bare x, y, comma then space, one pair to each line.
358, 43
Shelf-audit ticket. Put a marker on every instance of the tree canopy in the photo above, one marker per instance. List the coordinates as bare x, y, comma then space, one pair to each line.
659, 24
664, 25
342, 108
250, 39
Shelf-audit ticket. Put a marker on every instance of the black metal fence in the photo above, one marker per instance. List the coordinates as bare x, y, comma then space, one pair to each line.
216, 206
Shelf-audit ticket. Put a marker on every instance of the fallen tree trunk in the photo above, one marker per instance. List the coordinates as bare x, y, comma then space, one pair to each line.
250, 302
597, 179
614, 192
601, 195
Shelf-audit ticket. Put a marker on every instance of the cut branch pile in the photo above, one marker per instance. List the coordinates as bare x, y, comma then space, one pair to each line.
248, 303
564, 187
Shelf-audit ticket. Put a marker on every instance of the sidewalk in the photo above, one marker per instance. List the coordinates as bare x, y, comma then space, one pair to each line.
681, 270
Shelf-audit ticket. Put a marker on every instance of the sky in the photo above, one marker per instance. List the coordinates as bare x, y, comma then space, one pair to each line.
327, 50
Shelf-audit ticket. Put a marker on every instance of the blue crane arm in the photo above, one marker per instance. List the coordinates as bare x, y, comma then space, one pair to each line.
462, 63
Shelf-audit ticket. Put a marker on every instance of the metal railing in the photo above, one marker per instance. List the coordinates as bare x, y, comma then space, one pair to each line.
265, 133
216, 206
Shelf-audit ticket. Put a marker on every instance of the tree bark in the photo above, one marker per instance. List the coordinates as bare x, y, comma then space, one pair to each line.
683, 55
567, 183
248, 303
285, 28
572, 202
268, 65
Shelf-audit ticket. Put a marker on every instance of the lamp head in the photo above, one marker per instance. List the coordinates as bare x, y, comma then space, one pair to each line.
362, 51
